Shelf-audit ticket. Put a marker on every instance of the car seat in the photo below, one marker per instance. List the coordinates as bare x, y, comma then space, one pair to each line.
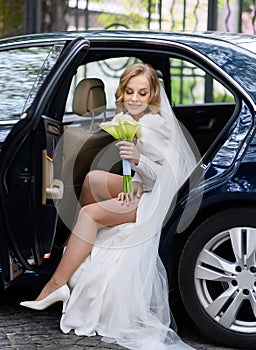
90, 99
81, 144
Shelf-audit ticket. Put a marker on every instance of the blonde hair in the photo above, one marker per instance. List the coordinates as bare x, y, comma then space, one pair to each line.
132, 71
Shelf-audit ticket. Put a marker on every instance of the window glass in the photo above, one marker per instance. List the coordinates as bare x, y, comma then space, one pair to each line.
18, 71
21, 76
108, 71
202, 104
53, 54
191, 85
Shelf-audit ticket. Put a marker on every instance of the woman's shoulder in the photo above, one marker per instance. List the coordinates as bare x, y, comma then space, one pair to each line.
154, 120
154, 125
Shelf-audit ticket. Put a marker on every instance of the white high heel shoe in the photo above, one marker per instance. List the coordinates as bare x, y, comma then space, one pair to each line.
60, 294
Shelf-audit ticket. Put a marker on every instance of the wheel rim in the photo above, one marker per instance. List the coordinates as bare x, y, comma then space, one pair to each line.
225, 279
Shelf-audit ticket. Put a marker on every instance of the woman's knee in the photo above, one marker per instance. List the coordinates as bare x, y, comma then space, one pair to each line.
92, 182
90, 211
94, 178
90, 191
100, 185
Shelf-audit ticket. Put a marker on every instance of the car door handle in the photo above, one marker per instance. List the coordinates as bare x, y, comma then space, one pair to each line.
51, 188
56, 190
205, 123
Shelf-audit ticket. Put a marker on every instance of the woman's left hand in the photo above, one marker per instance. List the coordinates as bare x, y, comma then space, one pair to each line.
127, 150
130, 197
126, 198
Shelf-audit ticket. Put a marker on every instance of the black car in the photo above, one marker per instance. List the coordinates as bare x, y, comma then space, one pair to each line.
56, 89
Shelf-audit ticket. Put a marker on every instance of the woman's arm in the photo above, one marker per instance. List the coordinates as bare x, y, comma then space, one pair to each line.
146, 170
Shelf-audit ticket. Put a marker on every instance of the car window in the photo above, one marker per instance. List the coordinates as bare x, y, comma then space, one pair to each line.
18, 71
202, 105
192, 85
108, 70
53, 54
21, 76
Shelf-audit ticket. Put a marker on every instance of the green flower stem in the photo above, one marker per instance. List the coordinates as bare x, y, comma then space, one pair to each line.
127, 181
127, 176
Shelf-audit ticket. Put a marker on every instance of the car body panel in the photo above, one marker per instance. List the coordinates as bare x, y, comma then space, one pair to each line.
196, 45
224, 132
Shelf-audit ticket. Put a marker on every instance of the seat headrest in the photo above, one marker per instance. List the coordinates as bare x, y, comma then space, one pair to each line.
89, 97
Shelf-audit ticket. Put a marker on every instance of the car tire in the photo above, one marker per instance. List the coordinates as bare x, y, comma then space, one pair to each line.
217, 277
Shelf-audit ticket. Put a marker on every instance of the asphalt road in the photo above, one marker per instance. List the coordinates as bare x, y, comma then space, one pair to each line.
24, 329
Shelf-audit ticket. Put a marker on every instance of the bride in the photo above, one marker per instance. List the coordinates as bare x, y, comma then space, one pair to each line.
110, 278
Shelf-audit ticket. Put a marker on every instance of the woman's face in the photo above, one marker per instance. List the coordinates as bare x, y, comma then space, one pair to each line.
137, 95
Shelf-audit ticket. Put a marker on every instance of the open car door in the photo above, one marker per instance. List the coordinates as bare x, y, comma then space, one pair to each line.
30, 184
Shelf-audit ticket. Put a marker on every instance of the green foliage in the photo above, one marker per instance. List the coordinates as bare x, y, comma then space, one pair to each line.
248, 5
135, 14
223, 98
183, 92
12, 17
187, 90
222, 3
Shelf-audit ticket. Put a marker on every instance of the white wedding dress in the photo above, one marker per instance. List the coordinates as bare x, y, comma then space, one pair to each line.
121, 289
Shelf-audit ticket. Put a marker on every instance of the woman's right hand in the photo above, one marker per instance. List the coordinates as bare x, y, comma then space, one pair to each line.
130, 197
128, 151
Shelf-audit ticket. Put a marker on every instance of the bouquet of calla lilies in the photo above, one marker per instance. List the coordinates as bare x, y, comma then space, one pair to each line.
123, 128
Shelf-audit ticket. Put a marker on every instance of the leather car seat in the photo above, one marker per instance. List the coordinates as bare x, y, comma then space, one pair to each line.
81, 144
90, 99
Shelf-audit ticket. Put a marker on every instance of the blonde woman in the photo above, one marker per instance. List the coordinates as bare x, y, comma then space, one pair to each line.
111, 265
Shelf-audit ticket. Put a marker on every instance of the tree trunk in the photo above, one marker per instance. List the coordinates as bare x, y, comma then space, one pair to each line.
54, 15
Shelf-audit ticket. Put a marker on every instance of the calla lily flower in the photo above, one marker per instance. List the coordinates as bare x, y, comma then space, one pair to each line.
121, 127
124, 128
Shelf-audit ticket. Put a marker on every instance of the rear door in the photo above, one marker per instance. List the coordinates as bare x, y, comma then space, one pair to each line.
30, 163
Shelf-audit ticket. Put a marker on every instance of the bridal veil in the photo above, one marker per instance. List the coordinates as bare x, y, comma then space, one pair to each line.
121, 289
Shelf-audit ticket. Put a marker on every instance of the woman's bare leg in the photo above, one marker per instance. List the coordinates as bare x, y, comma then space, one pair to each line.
106, 213
100, 185
76, 252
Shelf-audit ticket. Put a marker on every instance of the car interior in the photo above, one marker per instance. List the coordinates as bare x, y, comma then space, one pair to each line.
91, 100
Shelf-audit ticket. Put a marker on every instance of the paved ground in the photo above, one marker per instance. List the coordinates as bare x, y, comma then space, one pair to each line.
24, 329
